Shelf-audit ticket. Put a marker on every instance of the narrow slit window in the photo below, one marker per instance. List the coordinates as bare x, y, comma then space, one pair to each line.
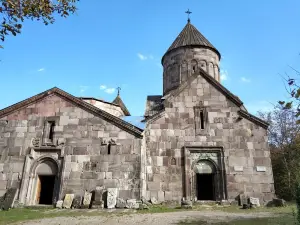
201, 120
51, 130
108, 149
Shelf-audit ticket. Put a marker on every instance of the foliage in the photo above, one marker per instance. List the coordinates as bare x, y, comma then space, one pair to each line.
14, 12
298, 204
294, 91
284, 140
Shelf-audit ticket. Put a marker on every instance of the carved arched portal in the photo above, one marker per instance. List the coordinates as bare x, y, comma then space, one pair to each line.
205, 175
43, 182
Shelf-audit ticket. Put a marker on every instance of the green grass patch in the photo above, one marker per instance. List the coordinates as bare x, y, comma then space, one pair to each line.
33, 213
18, 215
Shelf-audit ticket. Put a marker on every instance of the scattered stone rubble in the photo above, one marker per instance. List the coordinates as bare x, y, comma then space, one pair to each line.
103, 198
186, 204
251, 202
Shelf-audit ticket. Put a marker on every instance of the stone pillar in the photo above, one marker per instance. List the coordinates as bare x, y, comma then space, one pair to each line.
187, 178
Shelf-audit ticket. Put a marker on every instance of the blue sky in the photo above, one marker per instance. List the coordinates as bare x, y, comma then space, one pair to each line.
114, 43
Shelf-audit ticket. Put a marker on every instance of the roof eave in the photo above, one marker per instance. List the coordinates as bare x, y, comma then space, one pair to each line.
130, 128
191, 46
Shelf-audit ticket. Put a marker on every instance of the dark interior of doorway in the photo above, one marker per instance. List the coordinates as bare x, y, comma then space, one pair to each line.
205, 187
47, 187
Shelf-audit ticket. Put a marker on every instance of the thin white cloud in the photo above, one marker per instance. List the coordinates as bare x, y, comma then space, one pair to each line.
41, 70
83, 89
245, 80
110, 90
224, 75
102, 87
106, 89
142, 57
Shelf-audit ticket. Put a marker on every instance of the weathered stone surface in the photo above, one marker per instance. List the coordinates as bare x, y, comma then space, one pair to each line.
76, 204
87, 200
112, 194
144, 201
132, 204
121, 203
243, 199
68, 201
98, 198
279, 202
59, 204
7, 201
143, 206
154, 201
276, 202
254, 202
186, 204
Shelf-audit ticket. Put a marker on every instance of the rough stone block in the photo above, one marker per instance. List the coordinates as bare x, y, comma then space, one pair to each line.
160, 196
3, 184
112, 194
68, 201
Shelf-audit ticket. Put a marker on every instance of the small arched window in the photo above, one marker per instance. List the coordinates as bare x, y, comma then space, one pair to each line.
194, 64
173, 161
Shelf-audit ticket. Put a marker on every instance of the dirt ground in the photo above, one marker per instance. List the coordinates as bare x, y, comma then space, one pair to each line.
149, 218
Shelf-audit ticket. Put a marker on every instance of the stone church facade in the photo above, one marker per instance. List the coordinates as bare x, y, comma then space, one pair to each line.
199, 142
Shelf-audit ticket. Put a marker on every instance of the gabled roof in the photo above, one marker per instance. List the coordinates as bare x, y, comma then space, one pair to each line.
79, 103
98, 100
190, 36
210, 80
242, 112
254, 119
118, 101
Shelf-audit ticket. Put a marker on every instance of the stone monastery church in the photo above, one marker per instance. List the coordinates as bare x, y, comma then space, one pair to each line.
198, 142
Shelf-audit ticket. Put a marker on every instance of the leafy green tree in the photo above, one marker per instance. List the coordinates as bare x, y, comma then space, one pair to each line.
284, 141
14, 12
297, 214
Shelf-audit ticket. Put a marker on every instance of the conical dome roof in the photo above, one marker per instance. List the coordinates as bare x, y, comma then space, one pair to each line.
190, 36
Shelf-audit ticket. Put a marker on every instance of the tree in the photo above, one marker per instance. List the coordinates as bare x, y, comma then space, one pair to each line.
14, 12
284, 140
294, 91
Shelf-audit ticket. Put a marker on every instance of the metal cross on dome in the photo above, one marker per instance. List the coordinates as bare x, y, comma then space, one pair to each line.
188, 12
119, 89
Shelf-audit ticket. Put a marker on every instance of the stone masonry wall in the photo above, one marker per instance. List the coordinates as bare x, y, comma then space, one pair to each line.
245, 144
180, 63
112, 109
87, 163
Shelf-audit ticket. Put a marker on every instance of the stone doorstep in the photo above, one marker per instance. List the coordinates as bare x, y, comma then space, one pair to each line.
211, 203
39, 206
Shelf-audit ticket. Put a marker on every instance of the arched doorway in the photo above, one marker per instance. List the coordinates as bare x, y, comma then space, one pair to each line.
46, 173
205, 174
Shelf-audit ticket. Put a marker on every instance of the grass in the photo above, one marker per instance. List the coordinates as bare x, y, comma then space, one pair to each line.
18, 215
23, 214
285, 220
